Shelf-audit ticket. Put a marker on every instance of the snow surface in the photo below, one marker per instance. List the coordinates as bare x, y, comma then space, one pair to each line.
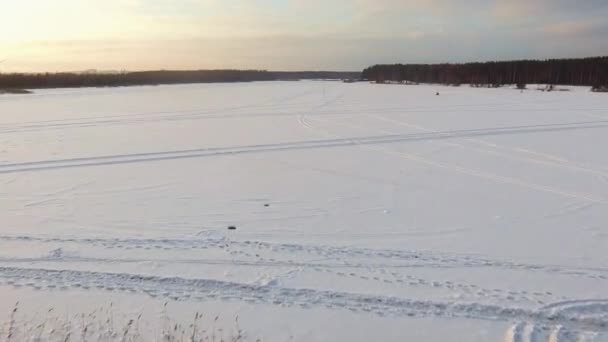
362, 212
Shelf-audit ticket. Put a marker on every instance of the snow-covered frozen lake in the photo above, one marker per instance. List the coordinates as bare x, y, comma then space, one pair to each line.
362, 212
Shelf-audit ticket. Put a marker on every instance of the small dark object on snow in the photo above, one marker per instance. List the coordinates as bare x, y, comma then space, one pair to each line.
231, 227
267, 205
437, 94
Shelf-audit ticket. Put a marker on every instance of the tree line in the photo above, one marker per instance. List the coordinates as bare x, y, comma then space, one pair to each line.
591, 71
114, 79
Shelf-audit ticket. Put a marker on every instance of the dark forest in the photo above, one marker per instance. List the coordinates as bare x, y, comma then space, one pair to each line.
584, 72
115, 79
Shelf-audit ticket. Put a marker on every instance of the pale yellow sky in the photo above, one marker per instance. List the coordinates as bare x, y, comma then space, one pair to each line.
60, 35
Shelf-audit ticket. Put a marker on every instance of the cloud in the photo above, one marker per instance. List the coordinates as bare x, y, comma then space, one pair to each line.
543, 10
579, 28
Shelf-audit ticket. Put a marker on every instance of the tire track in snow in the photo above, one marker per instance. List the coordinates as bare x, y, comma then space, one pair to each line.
351, 256
179, 289
283, 102
377, 267
552, 161
179, 115
523, 154
481, 174
555, 331
137, 118
366, 273
287, 146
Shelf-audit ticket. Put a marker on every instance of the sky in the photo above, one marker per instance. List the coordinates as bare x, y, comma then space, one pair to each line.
349, 35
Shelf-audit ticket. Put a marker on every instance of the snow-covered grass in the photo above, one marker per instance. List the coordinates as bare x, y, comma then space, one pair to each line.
360, 212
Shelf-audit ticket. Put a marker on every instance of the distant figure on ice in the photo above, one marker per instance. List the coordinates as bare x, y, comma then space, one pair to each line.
437, 94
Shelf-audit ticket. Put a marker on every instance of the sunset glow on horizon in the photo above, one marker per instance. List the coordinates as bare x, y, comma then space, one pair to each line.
71, 35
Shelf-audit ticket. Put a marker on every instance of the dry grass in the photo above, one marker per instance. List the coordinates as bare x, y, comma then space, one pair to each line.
101, 325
